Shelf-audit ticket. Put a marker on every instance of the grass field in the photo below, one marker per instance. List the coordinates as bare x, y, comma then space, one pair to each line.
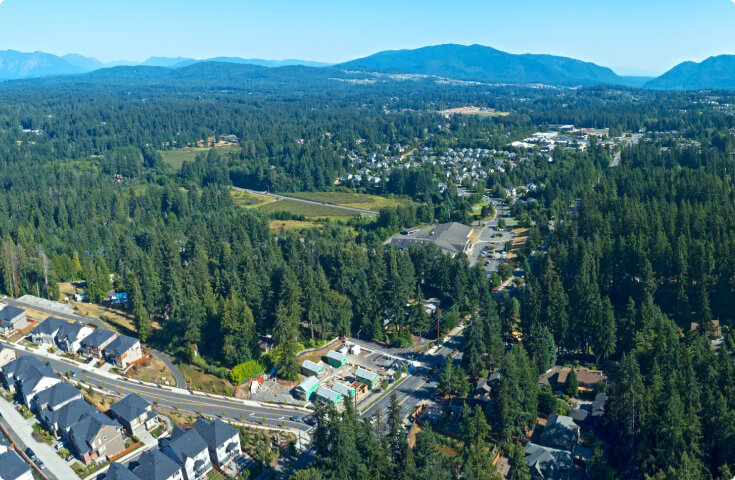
249, 200
305, 209
178, 156
286, 225
354, 200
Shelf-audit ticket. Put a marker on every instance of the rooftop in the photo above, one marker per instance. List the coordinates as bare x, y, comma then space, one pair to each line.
9, 312
215, 432
98, 337
117, 471
365, 373
336, 356
328, 394
154, 465
130, 407
308, 384
57, 394
12, 465
343, 389
49, 327
121, 344
186, 443
452, 238
312, 366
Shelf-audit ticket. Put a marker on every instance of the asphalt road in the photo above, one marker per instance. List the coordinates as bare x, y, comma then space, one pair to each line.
237, 410
310, 202
180, 381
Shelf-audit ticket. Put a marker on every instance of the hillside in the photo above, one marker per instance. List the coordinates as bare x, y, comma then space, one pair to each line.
485, 64
14, 65
713, 73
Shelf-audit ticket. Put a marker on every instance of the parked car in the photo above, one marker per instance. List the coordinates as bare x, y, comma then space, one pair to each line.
59, 446
41, 465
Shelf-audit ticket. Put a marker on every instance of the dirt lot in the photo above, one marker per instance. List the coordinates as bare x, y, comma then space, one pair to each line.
153, 370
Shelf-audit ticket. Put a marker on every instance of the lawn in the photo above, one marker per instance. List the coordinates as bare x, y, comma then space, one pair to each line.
304, 209
286, 225
354, 200
249, 200
178, 156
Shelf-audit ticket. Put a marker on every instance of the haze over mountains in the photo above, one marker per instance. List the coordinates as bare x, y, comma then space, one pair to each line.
470, 63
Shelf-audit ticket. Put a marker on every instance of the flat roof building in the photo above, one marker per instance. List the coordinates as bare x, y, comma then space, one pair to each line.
452, 238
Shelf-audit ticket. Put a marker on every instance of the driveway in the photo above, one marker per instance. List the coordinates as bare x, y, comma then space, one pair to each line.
56, 467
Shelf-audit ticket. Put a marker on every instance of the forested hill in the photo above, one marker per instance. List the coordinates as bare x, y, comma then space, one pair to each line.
713, 73
485, 64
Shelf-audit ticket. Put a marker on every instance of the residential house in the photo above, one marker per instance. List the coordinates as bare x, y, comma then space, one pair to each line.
96, 436
310, 368
134, 412
70, 336
336, 359
63, 393
123, 351
60, 421
548, 463
222, 439
560, 432
28, 376
93, 344
118, 471
12, 319
155, 465
45, 333
367, 377
190, 451
345, 390
12, 467
7, 355
587, 379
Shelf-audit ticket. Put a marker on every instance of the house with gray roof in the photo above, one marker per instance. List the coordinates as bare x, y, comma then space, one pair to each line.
222, 439
327, 396
96, 436
560, 432
12, 319
93, 344
118, 471
70, 335
60, 421
134, 412
28, 376
12, 467
190, 451
154, 465
547, 463
55, 397
45, 333
123, 351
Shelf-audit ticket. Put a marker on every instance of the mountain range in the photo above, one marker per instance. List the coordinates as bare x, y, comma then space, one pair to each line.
458, 62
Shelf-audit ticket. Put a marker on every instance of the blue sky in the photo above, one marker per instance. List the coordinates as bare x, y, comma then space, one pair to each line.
631, 36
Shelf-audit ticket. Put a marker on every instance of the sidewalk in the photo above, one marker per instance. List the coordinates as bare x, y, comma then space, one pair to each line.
45, 452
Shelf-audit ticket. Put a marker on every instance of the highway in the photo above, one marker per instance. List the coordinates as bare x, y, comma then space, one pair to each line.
310, 202
178, 399
633, 141
180, 381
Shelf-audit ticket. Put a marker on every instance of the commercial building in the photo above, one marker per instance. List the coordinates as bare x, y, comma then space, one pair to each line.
451, 238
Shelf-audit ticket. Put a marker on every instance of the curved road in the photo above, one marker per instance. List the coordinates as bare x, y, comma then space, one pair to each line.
310, 202
180, 381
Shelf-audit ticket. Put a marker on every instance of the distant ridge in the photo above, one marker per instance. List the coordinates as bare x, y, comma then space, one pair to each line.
486, 64
15, 65
713, 73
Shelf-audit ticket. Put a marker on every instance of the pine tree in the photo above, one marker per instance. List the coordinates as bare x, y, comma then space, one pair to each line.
570, 384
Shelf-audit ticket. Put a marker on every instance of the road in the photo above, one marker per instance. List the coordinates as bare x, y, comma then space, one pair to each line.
178, 399
632, 142
180, 381
416, 387
310, 202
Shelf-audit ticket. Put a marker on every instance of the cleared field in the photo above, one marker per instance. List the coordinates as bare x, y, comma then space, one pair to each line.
354, 200
178, 156
249, 200
305, 209
286, 225
480, 111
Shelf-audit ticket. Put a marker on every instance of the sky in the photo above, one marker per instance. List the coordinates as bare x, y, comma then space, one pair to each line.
633, 37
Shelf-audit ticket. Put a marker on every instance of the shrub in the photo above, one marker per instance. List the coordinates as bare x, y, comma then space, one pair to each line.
245, 371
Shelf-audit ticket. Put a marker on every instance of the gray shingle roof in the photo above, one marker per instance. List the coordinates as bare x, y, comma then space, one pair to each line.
12, 465
50, 326
120, 345
560, 432
548, 463
154, 465
67, 415
57, 394
186, 443
70, 330
97, 338
130, 407
10, 312
83, 432
214, 433
117, 471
